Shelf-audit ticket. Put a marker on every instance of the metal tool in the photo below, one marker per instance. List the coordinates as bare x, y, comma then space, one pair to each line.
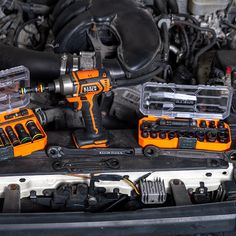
22, 134
82, 88
111, 163
34, 131
61, 152
4, 138
12, 136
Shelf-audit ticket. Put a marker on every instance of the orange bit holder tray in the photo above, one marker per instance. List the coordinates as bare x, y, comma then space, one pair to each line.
174, 143
9, 119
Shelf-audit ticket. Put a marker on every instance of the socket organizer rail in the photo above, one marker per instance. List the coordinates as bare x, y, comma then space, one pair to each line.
20, 133
185, 117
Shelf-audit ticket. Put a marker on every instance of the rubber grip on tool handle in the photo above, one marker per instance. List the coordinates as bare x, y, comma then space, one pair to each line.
92, 116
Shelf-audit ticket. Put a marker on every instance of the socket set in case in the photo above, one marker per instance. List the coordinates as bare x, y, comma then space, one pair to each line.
184, 134
20, 133
185, 117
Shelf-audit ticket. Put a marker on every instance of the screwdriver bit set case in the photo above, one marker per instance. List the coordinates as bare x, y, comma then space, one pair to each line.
20, 131
185, 116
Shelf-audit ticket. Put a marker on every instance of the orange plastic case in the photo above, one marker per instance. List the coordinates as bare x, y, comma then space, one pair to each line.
174, 143
26, 148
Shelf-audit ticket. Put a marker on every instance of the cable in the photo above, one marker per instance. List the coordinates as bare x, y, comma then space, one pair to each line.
194, 20
229, 6
186, 40
123, 198
228, 24
206, 48
22, 27
140, 79
128, 181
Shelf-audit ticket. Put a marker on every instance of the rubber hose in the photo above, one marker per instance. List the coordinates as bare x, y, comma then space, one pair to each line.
161, 6
206, 48
43, 67
166, 43
172, 4
229, 24
141, 79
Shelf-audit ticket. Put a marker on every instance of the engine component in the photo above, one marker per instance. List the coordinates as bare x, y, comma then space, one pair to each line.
153, 192
202, 7
125, 105
180, 193
40, 64
201, 195
81, 196
64, 197
225, 58
12, 203
108, 26
227, 191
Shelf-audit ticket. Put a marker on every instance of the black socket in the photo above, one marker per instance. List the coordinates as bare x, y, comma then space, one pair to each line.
212, 124
221, 124
181, 134
171, 135
4, 138
145, 126
203, 124
200, 135
154, 127
211, 136
22, 134
144, 134
153, 134
34, 131
190, 134
12, 136
162, 135
223, 136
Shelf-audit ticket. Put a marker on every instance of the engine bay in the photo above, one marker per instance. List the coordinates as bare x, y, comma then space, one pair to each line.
112, 106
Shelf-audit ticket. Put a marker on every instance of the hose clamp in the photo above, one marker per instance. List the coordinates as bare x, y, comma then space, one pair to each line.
164, 20
87, 60
41, 116
64, 59
75, 62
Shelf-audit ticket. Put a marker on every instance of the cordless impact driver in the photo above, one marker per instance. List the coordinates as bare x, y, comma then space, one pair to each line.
82, 88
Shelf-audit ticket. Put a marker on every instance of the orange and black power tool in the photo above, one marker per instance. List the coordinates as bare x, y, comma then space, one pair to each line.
83, 89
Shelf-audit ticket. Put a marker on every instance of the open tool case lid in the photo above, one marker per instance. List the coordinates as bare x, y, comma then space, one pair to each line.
11, 81
186, 101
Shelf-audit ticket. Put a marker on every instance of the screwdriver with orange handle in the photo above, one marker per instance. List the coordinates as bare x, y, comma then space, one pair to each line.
82, 88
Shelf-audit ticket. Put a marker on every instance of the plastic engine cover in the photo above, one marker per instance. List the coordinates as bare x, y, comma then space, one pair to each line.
138, 37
